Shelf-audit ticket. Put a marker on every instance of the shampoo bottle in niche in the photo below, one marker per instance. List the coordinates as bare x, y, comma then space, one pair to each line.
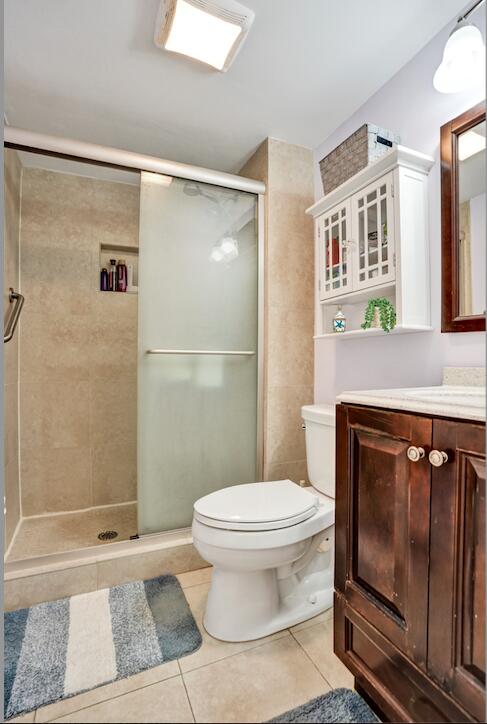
121, 276
112, 276
104, 285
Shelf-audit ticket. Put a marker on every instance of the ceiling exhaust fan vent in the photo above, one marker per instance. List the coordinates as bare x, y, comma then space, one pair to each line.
211, 31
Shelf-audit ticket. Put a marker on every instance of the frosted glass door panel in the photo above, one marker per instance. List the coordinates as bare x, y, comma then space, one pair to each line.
198, 291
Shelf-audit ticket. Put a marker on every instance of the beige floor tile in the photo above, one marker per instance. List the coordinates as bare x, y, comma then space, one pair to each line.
211, 649
110, 691
321, 618
317, 641
70, 531
24, 717
254, 685
163, 702
195, 578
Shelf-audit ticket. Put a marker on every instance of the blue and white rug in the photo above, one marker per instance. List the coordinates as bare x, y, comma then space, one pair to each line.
58, 649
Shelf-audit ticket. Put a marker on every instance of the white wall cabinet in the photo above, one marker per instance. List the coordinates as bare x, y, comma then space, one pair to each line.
372, 240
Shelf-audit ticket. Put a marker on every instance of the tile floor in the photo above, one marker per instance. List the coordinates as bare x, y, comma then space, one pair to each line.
70, 531
221, 682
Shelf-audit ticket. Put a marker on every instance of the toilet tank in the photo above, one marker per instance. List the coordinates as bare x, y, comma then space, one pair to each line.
320, 446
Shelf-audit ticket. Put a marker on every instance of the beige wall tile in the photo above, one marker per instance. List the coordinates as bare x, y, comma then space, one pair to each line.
10, 421
114, 473
27, 591
77, 344
290, 348
285, 435
148, 565
257, 166
12, 185
54, 415
163, 702
271, 679
296, 470
55, 346
113, 350
53, 276
113, 410
11, 488
287, 171
55, 479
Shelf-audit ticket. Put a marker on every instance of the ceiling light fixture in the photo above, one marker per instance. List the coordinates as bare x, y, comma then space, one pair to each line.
469, 144
211, 31
463, 62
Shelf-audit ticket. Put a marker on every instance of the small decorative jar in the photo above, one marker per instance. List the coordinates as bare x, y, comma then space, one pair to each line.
339, 321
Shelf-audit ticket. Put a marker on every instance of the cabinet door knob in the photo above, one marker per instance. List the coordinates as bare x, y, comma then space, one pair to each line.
415, 453
438, 458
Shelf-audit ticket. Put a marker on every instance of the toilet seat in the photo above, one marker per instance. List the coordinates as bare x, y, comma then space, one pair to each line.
256, 506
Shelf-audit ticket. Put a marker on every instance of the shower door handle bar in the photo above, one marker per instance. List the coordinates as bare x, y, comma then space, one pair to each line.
236, 353
17, 300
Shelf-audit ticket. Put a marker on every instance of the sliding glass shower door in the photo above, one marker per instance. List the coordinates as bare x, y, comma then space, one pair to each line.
198, 346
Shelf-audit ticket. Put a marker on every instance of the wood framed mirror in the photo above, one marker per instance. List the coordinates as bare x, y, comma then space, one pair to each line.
463, 229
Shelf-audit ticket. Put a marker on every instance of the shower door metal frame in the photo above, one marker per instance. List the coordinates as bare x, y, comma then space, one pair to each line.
90, 153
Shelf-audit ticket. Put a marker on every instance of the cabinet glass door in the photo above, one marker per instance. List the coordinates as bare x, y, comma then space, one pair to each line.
373, 215
336, 278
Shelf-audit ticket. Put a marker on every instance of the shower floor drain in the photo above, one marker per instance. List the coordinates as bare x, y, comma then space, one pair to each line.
107, 534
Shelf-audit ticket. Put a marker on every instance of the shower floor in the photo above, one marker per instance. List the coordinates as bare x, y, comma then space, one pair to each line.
58, 533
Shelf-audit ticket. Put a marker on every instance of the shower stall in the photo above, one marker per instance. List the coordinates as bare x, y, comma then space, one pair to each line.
126, 407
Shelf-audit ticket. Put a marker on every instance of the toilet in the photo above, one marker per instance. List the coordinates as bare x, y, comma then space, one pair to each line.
271, 544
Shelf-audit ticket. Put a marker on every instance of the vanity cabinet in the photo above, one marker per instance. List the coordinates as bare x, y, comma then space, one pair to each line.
409, 568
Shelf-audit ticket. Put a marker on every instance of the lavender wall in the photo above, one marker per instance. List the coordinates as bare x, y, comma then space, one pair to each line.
409, 106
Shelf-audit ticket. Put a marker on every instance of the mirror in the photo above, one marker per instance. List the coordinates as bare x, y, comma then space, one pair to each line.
471, 220
463, 189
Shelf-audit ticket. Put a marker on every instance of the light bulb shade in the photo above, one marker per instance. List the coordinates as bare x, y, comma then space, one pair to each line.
226, 250
463, 63
229, 247
211, 31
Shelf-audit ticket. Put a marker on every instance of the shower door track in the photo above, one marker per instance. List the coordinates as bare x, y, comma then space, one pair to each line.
90, 153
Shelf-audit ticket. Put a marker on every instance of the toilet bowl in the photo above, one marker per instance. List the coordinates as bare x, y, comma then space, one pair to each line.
270, 545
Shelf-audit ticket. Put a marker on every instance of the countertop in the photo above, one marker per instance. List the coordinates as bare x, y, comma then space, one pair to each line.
458, 401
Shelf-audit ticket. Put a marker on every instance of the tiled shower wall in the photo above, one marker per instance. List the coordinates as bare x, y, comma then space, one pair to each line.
287, 171
11, 349
78, 346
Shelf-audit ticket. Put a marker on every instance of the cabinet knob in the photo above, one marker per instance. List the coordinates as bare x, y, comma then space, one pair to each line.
438, 458
415, 453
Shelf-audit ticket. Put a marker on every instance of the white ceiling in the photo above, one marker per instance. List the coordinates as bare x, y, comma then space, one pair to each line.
88, 69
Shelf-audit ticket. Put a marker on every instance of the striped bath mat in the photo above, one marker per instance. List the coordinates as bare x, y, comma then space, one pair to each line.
58, 649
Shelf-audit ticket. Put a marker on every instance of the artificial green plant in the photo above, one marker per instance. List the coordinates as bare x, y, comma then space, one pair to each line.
387, 314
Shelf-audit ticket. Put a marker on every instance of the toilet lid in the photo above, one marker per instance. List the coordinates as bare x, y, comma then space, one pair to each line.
256, 506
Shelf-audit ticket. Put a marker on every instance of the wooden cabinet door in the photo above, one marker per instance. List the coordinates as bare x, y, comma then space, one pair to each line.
456, 651
382, 523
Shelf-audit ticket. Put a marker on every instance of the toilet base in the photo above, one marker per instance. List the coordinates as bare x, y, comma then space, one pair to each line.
244, 606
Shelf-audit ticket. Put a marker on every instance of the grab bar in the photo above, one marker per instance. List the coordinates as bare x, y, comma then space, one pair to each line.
17, 300
201, 351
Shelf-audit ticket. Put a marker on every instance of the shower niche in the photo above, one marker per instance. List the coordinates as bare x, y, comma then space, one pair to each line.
118, 252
